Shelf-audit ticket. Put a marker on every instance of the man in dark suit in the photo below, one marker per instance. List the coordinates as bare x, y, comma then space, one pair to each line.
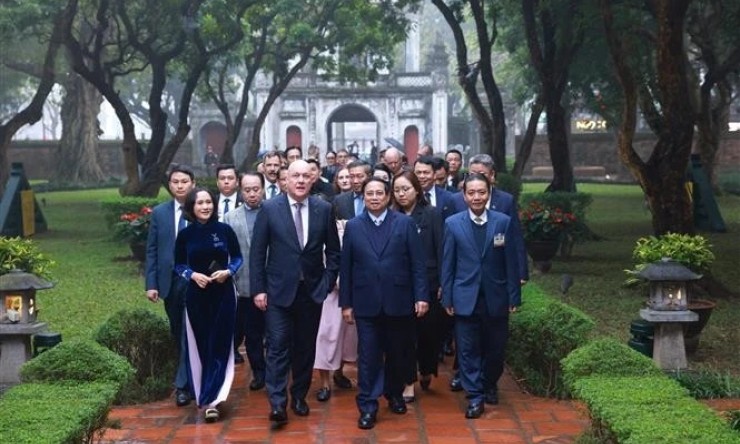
454, 174
438, 197
293, 235
383, 286
250, 320
229, 197
350, 203
161, 281
480, 287
320, 186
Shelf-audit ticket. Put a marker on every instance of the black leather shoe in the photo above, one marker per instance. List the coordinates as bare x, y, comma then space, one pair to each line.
342, 381
425, 382
258, 383
182, 398
238, 358
397, 406
299, 407
279, 416
366, 421
475, 410
448, 349
491, 396
456, 384
323, 394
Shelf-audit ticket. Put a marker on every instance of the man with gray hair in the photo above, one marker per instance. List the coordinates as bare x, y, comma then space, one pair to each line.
393, 159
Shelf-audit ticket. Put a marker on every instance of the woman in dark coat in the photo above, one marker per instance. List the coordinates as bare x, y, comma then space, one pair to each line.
207, 255
408, 198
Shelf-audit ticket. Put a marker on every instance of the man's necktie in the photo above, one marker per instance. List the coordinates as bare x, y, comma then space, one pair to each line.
273, 190
226, 205
298, 223
181, 222
359, 204
428, 197
478, 221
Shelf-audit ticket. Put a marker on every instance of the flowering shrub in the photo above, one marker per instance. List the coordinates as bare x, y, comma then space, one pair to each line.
543, 222
134, 226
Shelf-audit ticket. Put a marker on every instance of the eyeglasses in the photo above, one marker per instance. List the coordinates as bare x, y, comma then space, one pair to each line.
404, 190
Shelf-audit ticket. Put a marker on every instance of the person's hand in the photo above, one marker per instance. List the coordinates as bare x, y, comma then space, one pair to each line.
513, 308
348, 316
200, 279
421, 308
450, 311
439, 294
220, 276
522, 282
260, 301
152, 295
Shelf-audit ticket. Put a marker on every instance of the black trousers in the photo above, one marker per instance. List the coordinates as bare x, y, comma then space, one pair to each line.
430, 337
291, 346
250, 328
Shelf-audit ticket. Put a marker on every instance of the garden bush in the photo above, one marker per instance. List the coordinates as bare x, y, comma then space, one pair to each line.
608, 357
144, 339
113, 208
78, 361
509, 183
709, 384
649, 409
54, 414
24, 255
541, 334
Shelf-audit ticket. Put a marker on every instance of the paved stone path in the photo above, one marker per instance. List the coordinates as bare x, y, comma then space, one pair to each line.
437, 416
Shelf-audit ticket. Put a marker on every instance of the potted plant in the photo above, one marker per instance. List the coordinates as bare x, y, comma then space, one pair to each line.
543, 227
22, 254
134, 229
692, 251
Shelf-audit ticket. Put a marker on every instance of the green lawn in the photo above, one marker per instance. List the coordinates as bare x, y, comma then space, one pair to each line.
618, 214
94, 277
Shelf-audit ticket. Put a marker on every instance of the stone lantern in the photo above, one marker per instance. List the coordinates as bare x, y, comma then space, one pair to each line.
668, 311
668, 285
18, 295
18, 323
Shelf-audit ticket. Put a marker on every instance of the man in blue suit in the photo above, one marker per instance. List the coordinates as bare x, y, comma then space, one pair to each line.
161, 281
442, 200
292, 235
383, 286
350, 204
480, 287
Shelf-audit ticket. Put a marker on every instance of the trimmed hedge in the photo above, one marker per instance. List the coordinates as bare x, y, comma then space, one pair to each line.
652, 409
54, 414
542, 333
606, 357
78, 361
113, 208
144, 339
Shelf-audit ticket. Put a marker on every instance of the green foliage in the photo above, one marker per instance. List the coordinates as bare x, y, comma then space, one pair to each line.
638, 410
209, 183
542, 333
544, 222
133, 226
78, 361
54, 414
693, 251
113, 208
23, 254
606, 357
145, 340
733, 417
576, 203
509, 183
709, 384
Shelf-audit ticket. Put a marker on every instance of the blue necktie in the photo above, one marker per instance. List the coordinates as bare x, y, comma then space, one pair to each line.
359, 204
226, 205
272, 190
181, 222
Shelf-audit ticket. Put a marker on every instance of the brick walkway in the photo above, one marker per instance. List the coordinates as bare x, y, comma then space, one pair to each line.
437, 416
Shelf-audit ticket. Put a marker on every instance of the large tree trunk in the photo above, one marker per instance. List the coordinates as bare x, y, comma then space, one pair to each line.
77, 156
711, 125
525, 148
557, 137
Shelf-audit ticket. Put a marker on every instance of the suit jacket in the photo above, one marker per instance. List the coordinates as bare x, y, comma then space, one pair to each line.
466, 272
235, 201
453, 185
160, 249
323, 189
447, 204
238, 222
344, 205
503, 202
388, 281
277, 261
429, 226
